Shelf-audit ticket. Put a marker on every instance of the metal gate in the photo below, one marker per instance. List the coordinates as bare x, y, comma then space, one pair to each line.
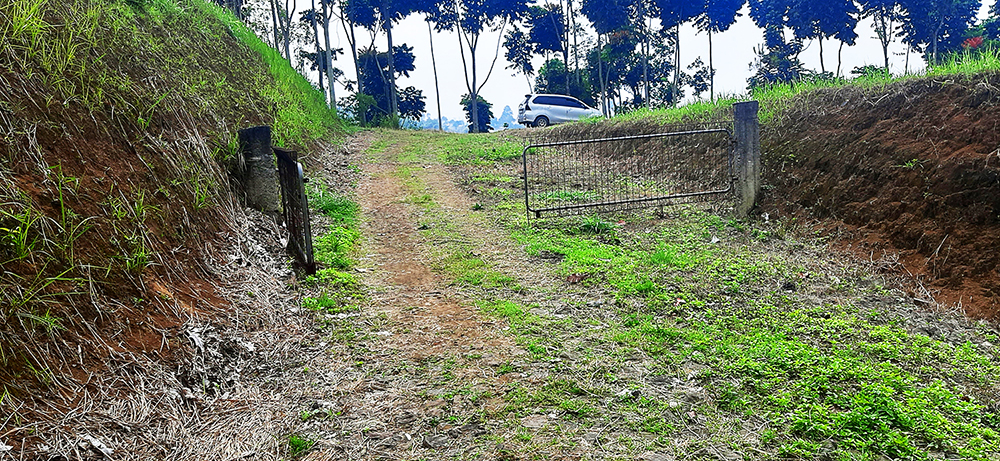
296, 208
616, 173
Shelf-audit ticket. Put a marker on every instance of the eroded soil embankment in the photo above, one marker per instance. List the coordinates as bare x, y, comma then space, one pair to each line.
912, 168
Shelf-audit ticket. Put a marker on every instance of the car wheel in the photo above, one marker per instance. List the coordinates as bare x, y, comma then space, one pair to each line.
541, 122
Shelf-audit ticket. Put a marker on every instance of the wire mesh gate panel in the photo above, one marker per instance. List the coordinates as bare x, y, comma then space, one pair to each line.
681, 163
627, 172
296, 208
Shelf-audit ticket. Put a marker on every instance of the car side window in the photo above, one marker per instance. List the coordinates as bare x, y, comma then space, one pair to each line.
544, 100
565, 102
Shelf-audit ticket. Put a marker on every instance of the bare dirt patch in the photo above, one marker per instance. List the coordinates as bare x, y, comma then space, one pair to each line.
909, 168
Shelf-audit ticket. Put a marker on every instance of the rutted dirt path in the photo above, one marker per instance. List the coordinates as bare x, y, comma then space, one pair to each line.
422, 364
434, 318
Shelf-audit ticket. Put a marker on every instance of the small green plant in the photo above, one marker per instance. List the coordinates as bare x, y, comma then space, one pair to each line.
138, 255
912, 164
19, 231
34, 292
299, 445
595, 225
201, 195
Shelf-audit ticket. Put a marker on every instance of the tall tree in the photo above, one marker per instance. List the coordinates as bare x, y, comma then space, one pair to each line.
351, 14
376, 79
818, 20
329, 54
932, 25
546, 34
282, 12
885, 16
718, 17
470, 18
311, 17
519, 53
778, 60
607, 17
382, 14
434, 11
674, 13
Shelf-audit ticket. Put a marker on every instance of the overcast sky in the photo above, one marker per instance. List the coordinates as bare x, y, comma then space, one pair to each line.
733, 52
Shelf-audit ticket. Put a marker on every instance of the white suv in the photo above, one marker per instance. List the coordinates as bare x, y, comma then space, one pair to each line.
542, 110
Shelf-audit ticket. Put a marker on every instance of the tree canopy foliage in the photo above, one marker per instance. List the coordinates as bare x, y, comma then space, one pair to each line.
634, 59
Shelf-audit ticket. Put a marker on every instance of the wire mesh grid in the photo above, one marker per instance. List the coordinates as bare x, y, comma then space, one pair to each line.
679, 163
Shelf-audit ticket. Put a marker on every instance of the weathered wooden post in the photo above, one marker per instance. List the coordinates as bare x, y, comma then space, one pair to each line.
746, 129
259, 175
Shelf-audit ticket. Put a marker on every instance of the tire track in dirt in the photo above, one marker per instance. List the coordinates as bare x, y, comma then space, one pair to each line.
410, 293
424, 366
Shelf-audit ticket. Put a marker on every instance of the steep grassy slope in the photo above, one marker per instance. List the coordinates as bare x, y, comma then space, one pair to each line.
115, 207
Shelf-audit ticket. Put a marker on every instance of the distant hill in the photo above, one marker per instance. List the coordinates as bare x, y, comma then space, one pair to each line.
461, 126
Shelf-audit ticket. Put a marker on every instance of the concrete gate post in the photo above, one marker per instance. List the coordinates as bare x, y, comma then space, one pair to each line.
746, 129
259, 174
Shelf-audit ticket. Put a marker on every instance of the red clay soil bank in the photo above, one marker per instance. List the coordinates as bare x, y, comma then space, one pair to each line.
913, 168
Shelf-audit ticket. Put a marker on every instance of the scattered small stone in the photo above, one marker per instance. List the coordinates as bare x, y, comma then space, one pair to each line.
406, 419
591, 437
656, 457
595, 303
628, 394
324, 405
725, 454
715, 240
692, 396
188, 394
435, 441
674, 404
535, 421
473, 429
5, 448
98, 445
394, 440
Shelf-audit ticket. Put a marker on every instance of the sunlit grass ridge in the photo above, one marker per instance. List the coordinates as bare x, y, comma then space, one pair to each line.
774, 98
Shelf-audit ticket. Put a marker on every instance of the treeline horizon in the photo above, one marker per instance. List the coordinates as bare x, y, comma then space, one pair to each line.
618, 55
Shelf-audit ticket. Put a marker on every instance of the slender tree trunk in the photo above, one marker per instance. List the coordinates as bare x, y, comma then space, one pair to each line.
328, 57
565, 45
274, 22
571, 20
286, 30
352, 39
711, 69
393, 95
475, 92
885, 26
315, 24
934, 43
600, 77
822, 67
645, 61
840, 54
677, 65
437, 90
